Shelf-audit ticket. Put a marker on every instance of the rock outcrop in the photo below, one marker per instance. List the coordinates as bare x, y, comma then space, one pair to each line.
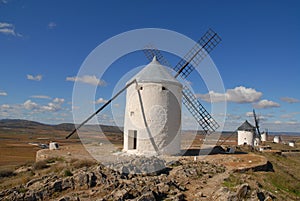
139, 179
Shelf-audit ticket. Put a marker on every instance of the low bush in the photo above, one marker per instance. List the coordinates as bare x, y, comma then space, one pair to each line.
83, 163
6, 173
40, 165
68, 173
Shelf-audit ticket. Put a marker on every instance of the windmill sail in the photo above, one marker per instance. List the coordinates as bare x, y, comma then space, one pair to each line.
256, 119
184, 68
200, 50
101, 108
205, 120
150, 51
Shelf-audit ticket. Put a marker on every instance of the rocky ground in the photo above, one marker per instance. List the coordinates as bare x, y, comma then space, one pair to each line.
139, 178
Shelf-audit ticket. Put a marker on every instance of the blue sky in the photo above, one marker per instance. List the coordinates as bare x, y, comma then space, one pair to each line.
44, 43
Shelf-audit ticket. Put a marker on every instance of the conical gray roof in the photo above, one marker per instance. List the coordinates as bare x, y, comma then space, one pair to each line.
155, 72
246, 126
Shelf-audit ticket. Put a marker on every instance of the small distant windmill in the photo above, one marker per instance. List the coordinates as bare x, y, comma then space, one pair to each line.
183, 69
262, 136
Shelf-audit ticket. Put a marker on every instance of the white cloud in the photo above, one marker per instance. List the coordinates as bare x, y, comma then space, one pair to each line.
212, 97
53, 106
52, 25
233, 117
5, 106
29, 105
289, 115
286, 116
292, 122
3, 93
266, 104
100, 100
35, 78
239, 94
41, 96
290, 100
249, 114
8, 29
58, 100
88, 79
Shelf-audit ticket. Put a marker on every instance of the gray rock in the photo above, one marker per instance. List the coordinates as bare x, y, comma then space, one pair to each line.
69, 198
242, 191
92, 179
67, 183
148, 196
178, 197
57, 186
30, 196
120, 194
199, 194
163, 188
33, 181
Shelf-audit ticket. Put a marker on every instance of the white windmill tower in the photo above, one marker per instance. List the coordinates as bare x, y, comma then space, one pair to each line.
153, 112
153, 102
246, 133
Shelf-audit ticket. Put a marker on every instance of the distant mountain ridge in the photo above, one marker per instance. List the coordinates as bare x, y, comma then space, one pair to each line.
27, 124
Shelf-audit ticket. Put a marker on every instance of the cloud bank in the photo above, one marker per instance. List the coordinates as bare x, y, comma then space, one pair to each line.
53, 106
266, 104
87, 79
239, 94
290, 100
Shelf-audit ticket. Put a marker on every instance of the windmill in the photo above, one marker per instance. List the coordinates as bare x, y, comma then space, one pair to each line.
262, 136
183, 69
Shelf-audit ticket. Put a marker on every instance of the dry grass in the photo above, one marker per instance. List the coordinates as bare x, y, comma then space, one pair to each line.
284, 182
15, 180
40, 165
82, 163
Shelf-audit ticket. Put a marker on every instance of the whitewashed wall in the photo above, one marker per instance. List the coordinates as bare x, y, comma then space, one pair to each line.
245, 137
160, 110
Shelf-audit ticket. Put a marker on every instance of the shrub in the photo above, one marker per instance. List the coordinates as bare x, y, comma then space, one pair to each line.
68, 173
83, 163
6, 173
40, 165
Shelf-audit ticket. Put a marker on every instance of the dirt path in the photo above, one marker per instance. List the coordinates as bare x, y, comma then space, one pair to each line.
205, 190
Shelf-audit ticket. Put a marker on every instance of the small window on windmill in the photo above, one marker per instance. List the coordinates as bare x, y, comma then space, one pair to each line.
139, 87
163, 88
131, 113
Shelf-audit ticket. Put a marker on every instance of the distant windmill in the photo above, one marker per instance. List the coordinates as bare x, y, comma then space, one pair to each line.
262, 136
159, 106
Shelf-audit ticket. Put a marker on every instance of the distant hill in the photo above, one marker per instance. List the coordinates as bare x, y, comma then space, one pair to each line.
20, 123
26, 124
64, 126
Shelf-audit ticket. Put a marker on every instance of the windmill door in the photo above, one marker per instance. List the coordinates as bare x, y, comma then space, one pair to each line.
132, 139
